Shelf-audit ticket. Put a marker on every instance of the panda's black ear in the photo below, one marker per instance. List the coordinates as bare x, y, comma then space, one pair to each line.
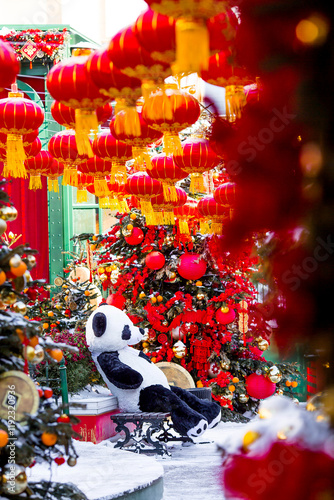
99, 324
103, 304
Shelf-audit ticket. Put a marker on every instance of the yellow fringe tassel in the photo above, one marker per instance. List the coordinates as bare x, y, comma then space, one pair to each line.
35, 182
183, 226
235, 100
53, 185
142, 159
85, 122
130, 124
82, 196
155, 219
14, 165
104, 202
146, 207
70, 177
217, 228
172, 144
170, 193
169, 219
124, 206
204, 227
192, 46
196, 183
118, 169
101, 187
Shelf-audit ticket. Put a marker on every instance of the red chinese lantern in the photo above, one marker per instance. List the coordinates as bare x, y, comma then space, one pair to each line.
33, 148
164, 169
68, 82
9, 65
18, 116
36, 166
196, 157
144, 187
64, 115
30, 137
185, 214
155, 260
54, 170
259, 387
163, 209
136, 236
83, 181
63, 147
108, 148
213, 212
221, 72
225, 194
99, 169
225, 315
170, 111
192, 266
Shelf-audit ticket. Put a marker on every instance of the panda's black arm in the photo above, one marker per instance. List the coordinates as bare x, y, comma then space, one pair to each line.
119, 374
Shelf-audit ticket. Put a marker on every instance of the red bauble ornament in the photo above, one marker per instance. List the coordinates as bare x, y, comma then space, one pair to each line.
224, 318
64, 419
191, 266
116, 300
155, 260
135, 237
259, 387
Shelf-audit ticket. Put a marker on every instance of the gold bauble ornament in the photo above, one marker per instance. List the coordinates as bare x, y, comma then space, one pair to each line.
225, 364
20, 307
29, 353
103, 277
262, 344
72, 461
8, 297
224, 309
15, 261
14, 479
274, 374
179, 349
3, 227
39, 355
200, 296
243, 398
8, 213
249, 438
30, 261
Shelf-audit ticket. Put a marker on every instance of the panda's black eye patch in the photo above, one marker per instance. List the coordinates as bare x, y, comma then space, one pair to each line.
126, 333
142, 331
99, 324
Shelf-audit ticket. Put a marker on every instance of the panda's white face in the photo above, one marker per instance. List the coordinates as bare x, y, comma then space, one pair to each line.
110, 329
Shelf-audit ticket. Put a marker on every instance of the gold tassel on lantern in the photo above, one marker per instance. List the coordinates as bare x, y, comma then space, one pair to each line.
183, 226
204, 227
124, 206
82, 196
53, 185
170, 193
118, 172
217, 228
172, 144
192, 46
35, 182
196, 183
235, 100
104, 202
14, 165
168, 218
101, 187
70, 176
85, 122
142, 159
155, 219
130, 123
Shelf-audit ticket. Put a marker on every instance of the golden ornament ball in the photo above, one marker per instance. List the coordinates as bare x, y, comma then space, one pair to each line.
103, 277
200, 296
39, 355
224, 309
249, 438
3, 227
15, 261
274, 375
243, 398
31, 261
8, 213
262, 344
72, 461
8, 297
20, 307
225, 364
29, 353
14, 479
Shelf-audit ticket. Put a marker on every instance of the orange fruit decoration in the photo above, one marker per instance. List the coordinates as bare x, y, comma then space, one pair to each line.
49, 438
2, 277
19, 270
56, 354
3, 438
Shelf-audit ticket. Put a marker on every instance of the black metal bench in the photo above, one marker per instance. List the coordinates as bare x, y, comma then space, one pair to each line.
151, 432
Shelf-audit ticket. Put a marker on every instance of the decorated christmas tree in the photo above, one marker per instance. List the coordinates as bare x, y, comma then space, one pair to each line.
32, 428
199, 307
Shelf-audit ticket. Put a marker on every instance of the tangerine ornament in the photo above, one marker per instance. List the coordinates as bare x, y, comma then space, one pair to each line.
49, 438
136, 237
192, 266
155, 260
9, 65
170, 111
224, 318
259, 387
3, 277
56, 354
3, 434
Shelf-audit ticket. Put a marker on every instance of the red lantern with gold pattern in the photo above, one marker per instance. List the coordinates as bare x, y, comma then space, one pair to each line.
108, 148
187, 214
33, 148
63, 147
163, 209
225, 194
214, 212
18, 116
53, 171
9, 65
144, 187
68, 82
83, 181
36, 166
195, 158
64, 115
170, 111
164, 169
99, 169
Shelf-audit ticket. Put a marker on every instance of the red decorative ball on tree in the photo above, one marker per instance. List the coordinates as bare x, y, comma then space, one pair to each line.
135, 237
259, 387
192, 266
224, 317
116, 300
155, 260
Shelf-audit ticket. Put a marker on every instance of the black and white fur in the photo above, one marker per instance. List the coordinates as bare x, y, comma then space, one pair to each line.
138, 384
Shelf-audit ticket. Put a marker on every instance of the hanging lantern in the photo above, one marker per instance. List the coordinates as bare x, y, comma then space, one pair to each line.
170, 111
9, 65
144, 187
36, 166
18, 116
196, 157
164, 169
64, 115
225, 194
30, 137
53, 171
83, 181
63, 147
186, 213
192, 266
134, 61
30, 151
99, 169
68, 82
214, 212
121, 127
108, 148
163, 209
221, 72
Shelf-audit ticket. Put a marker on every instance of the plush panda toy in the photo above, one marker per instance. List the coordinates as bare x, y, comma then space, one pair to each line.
138, 384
